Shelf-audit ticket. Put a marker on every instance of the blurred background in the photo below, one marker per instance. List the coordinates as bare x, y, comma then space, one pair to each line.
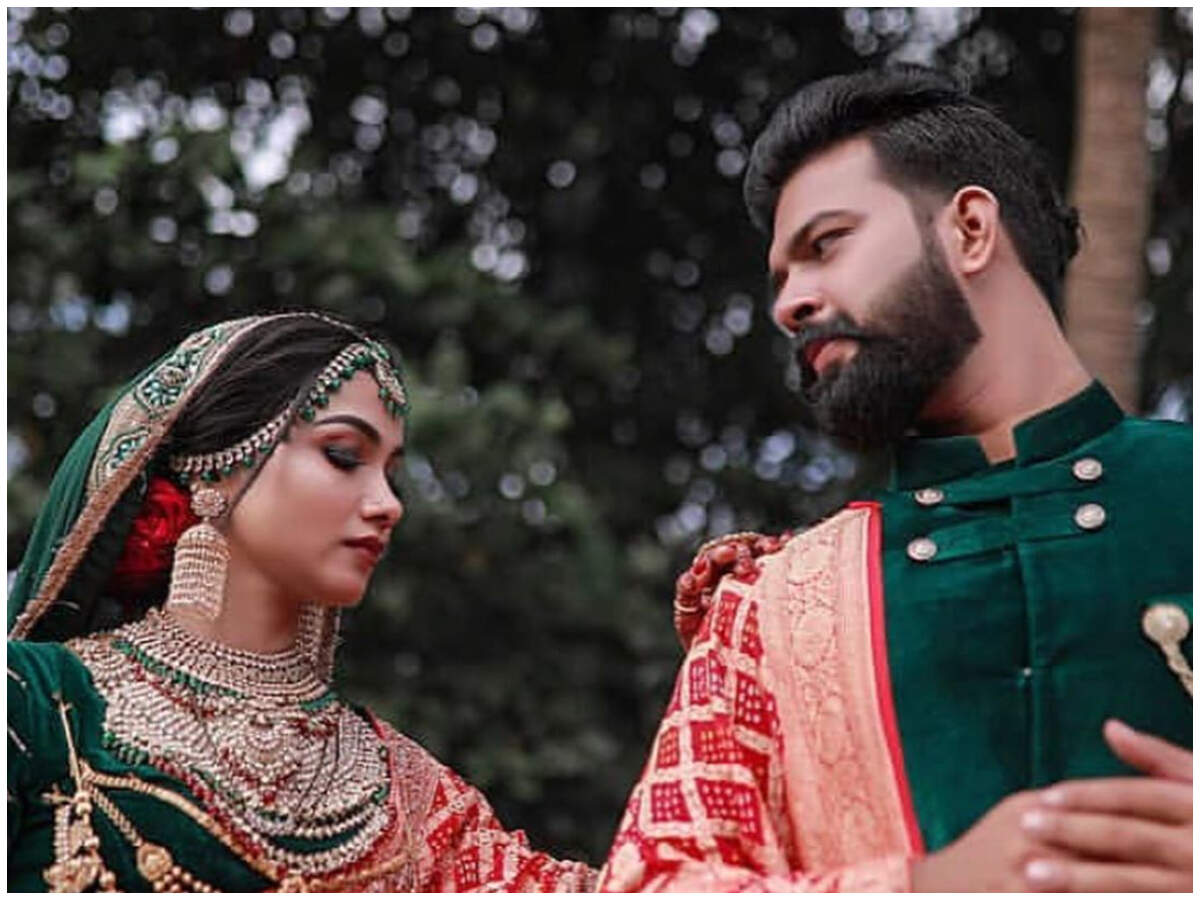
542, 209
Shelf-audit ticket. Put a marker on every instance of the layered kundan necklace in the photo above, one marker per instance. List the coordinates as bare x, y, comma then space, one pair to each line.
287, 768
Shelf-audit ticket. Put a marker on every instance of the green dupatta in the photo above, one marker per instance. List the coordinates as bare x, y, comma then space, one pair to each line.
59, 512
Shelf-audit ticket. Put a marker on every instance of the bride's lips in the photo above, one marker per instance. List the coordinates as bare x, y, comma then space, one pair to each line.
370, 548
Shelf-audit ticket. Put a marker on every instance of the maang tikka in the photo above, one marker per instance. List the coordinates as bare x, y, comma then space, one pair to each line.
201, 558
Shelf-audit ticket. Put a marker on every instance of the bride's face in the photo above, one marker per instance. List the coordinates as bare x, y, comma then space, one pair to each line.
316, 520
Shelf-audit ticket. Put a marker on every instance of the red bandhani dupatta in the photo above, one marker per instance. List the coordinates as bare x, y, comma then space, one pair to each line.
778, 765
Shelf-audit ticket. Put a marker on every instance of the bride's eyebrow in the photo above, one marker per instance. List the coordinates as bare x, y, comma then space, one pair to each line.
368, 430
362, 425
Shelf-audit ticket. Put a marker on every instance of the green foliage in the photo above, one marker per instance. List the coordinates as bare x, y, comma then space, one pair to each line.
542, 210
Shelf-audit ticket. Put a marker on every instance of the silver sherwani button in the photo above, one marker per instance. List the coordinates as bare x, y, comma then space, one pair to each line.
929, 496
1090, 516
1087, 469
922, 549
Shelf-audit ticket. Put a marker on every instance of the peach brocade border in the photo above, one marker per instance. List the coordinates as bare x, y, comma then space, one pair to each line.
883, 672
846, 798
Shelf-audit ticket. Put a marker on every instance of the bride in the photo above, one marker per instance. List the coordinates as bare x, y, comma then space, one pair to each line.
171, 720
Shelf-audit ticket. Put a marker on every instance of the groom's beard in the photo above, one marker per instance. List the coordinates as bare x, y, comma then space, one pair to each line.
904, 353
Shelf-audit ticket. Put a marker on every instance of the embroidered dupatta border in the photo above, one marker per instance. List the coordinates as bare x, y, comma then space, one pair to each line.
826, 655
146, 429
136, 425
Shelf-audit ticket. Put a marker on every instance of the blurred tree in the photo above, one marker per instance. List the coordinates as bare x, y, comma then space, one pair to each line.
1110, 174
542, 208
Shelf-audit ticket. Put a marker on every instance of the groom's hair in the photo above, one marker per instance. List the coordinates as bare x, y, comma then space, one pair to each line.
930, 136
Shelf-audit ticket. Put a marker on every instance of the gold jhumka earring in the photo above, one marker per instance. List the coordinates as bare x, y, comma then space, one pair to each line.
201, 558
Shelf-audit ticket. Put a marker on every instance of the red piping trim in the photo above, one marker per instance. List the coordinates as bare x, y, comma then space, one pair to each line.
883, 677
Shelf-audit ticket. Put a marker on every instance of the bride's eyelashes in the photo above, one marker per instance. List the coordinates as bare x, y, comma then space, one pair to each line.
342, 458
348, 460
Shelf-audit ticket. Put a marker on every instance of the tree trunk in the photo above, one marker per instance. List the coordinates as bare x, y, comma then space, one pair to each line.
1111, 189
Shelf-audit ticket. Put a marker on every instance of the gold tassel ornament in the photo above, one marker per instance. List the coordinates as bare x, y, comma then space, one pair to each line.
201, 558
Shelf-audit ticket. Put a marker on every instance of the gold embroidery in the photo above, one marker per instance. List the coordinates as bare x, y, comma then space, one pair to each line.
86, 527
160, 393
77, 860
78, 864
129, 440
154, 863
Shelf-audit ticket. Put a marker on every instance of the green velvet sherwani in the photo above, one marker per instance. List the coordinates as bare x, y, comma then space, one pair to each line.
1021, 632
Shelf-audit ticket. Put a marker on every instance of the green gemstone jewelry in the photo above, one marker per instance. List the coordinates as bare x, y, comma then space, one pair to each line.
211, 467
368, 356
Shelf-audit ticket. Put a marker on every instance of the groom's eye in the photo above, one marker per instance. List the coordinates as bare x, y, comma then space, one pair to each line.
822, 243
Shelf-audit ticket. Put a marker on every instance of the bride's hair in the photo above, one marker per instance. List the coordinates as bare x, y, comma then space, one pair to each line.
266, 370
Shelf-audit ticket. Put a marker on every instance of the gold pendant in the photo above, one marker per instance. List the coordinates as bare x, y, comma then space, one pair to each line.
154, 862
77, 849
72, 876
1167, 625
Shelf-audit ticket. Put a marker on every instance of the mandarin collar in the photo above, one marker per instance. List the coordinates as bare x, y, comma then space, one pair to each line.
921, 461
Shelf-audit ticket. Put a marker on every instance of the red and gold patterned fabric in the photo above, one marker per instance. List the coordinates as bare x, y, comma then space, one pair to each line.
776, 766
448, 839
466, 848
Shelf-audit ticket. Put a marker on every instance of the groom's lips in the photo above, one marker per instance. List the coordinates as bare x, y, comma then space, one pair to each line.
819, 352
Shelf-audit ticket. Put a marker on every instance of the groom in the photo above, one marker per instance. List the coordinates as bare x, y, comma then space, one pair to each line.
930, 689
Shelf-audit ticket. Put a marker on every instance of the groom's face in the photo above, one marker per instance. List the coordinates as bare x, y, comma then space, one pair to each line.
876, 316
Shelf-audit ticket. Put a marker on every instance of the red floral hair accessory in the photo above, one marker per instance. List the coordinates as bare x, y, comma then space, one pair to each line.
166, 513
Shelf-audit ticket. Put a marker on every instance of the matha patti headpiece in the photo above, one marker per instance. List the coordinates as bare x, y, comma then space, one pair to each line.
367, 356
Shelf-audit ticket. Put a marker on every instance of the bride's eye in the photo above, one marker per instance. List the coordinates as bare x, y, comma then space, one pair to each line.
342, 458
